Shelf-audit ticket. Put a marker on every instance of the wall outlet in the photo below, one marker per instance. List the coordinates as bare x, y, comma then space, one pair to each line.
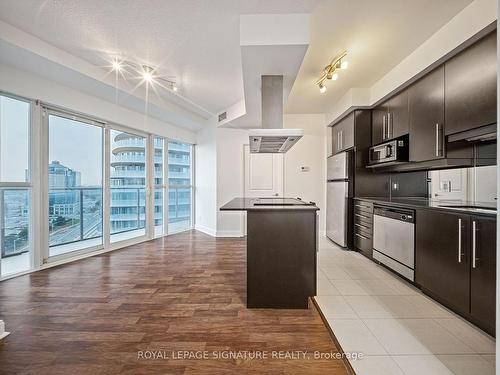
304, 169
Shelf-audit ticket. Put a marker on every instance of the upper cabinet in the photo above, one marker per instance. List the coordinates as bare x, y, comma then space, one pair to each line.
390, 119
426, 103
471, 87
343, 134
329, 141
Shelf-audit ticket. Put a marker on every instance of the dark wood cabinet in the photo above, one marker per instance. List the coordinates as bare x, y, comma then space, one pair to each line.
398, 115
343, 134
471, 87
390, 119
456, 263
483, 272
426, 109
442, 257
379, 125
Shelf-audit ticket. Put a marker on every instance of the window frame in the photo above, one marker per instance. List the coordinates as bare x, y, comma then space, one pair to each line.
26, 185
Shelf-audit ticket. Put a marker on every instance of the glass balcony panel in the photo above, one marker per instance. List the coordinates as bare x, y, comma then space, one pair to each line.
14, 236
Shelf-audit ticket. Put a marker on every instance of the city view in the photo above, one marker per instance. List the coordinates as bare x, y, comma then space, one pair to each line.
76, 207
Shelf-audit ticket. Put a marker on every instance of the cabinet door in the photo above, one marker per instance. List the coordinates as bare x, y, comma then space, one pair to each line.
347, 132
443, 257
398, 116
329, 141
379, 118
426, 103
471, 86
483, 272
336, 142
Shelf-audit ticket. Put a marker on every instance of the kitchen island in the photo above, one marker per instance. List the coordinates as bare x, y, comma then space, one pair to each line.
281, 251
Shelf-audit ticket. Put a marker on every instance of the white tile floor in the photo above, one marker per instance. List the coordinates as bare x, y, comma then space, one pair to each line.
398, 329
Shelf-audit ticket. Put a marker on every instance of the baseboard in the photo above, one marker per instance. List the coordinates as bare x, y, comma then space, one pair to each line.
206, 230
230, 233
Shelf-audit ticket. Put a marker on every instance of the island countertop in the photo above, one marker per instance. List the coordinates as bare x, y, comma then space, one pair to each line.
265, 204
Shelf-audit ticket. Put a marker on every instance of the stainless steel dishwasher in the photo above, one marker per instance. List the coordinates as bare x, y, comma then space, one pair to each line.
394, 239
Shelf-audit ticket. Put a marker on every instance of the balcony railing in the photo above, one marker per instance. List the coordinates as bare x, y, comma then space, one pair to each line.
14, 219
75, 214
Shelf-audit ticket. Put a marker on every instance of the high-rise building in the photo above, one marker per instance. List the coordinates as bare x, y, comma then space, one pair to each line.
63, 199
128, 181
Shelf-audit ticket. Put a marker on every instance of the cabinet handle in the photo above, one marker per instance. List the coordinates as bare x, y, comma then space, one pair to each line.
341, 139
438, 140
389, 125
362, 226
473, 243
383, 127
359, 235
364, 217
459, 240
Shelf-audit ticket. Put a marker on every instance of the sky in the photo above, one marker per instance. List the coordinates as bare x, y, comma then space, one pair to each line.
78, 146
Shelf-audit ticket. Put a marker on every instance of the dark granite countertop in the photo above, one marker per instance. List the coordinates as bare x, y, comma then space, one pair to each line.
266, 204
486, 208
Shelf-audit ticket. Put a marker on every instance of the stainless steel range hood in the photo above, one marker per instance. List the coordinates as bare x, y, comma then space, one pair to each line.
272, 137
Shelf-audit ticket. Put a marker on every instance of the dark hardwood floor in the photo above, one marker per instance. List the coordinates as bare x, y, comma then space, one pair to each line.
182, 292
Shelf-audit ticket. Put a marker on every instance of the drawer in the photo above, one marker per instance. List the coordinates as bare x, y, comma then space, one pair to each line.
363, 243
362, 206
363, 219
363, 229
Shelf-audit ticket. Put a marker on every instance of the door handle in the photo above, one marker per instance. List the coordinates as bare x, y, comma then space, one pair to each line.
474, 230
459, 240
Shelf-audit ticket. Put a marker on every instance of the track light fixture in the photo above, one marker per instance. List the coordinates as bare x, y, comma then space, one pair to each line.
146, 73
330, 71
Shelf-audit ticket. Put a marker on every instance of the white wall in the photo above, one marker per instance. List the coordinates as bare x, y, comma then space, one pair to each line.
206, 180
32, 86
230, 179
310, 151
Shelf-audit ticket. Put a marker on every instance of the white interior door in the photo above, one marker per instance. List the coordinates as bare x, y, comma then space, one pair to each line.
450, 184
263, 174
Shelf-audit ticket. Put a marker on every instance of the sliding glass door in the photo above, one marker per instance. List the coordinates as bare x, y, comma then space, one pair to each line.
75, 177
180, 188
15, 186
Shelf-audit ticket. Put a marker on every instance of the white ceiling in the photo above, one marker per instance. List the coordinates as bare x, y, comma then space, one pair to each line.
194, 41
377, 35
197, 42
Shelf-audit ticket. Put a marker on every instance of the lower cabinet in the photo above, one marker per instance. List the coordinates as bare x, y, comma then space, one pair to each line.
455, 263
483, 272
363, 227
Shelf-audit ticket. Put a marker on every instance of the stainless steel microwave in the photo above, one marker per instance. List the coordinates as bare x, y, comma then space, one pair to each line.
394, 151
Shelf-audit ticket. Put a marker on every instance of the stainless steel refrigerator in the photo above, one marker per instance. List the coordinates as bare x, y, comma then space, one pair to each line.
338, 188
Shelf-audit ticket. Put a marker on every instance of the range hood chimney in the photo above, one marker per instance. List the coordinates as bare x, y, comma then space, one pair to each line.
272, 138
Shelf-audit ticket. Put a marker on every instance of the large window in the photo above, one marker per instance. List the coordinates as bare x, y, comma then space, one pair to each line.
127, 185
179, 186
75, 184
14, 186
